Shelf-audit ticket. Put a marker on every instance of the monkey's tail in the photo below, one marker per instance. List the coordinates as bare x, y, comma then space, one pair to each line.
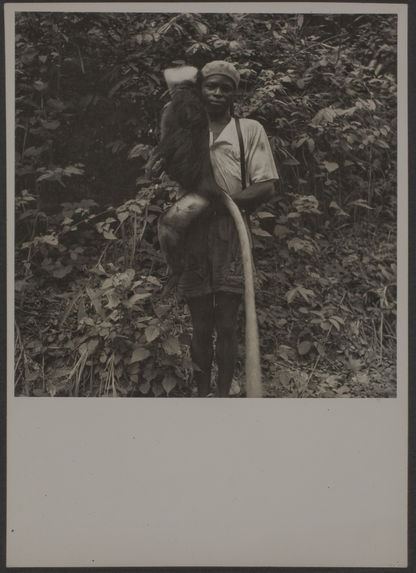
253, 369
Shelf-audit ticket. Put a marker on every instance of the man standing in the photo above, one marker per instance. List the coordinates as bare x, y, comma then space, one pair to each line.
212, 281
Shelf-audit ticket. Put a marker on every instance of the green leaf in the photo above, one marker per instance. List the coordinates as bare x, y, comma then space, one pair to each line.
89, 347
154, 281
304, 347
122, 216
202, 28
320, 348
20, 285
157, 389
332, 380
56, 104
116, 87
361, 203
265, 215
73, 170
338, 211
109, 235
150, 372
136, 298
301, 245
328, 394
260, 232
169, 382
139, 150
331, 166
361, 378
95, 297
161, 310
291, 295
280, 231
62, 272
133, 369
139, 353
306, 204
171, 345
311, 144
54, 124
144, 387
151, 333
113, 299
39, 393
334, 323
306, 293
48, 239
343, 390
285, 377
291, 161
324, 116
40, 86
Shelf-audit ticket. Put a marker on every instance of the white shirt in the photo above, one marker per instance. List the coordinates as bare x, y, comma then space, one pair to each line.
225, 155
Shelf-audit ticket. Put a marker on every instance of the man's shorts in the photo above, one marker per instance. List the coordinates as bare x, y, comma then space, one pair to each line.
212, 258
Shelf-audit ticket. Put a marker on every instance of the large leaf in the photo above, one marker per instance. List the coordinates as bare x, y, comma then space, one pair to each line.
169, 382
260, 232
331, 166
139, 150
133, 300
151, 333
171, 345
139, 353
62, 271
304, 347
144, 387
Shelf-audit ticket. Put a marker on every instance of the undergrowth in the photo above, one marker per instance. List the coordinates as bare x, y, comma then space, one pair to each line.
89, 316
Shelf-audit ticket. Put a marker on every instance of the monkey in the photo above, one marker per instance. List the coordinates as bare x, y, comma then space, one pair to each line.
184, 150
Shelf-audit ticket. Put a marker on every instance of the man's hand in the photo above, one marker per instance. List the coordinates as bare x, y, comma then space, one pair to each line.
253, 196
247, 199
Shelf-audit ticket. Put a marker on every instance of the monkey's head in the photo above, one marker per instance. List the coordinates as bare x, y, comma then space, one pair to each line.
181, 75
184, 145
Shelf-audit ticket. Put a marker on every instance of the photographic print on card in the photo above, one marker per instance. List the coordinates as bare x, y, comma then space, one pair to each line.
98, 310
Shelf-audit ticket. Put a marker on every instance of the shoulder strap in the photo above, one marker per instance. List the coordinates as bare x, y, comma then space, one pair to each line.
243, 173
242, 153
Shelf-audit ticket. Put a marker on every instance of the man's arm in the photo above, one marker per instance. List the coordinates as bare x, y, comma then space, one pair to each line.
254, 195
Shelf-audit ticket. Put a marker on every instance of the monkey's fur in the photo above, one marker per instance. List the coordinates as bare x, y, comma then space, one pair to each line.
184, 144
184, 149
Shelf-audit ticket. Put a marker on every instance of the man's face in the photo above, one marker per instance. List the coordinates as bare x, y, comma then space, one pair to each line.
217, 93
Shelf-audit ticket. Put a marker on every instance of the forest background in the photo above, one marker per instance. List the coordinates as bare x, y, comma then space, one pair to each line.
89, 316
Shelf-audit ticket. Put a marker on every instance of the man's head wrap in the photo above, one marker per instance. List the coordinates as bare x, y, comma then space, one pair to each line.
222, 68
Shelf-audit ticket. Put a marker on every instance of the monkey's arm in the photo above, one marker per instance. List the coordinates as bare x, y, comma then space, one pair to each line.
253, 196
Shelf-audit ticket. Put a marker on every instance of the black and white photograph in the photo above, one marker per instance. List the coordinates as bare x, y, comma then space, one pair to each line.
206, 200
206, 205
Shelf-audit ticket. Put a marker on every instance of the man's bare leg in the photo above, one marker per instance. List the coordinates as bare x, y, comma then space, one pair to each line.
226, 320
202, 314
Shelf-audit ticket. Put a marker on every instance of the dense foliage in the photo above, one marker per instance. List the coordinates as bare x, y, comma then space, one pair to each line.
90, 320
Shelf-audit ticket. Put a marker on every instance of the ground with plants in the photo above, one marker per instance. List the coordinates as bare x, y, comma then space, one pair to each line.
90, 319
